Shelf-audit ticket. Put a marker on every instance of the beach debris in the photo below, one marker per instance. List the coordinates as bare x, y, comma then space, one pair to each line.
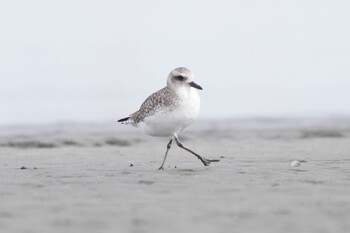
147, 182
131, 165
26, 168
295, 163
117, 142
322, 134
69, 142
28, 144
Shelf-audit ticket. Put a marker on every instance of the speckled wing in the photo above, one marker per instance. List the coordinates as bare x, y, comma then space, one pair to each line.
164, 99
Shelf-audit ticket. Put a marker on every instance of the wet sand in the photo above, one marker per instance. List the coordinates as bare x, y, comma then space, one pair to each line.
104, 178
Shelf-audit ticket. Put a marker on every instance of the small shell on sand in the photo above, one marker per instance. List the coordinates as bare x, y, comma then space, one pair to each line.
295, 163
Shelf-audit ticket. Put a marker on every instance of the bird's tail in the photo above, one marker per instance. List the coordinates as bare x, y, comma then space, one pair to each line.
124, 120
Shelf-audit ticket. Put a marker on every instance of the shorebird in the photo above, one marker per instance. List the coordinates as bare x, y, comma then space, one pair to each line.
169, 111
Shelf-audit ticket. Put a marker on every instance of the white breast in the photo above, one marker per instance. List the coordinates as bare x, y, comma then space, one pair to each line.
190, 104
167, 123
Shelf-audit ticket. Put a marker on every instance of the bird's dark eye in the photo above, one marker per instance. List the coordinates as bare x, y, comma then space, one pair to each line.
180, 78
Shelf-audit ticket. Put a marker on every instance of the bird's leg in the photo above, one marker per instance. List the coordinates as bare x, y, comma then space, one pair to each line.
205, 161
166, 153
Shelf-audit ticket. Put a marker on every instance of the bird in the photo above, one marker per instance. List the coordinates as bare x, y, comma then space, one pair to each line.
170, 110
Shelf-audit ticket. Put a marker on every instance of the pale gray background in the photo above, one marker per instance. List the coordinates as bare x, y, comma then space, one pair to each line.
98, 60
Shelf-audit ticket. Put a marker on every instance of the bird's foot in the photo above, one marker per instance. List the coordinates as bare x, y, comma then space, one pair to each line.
206, 161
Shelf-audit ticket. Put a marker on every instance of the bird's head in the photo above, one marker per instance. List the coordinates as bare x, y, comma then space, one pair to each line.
181, 77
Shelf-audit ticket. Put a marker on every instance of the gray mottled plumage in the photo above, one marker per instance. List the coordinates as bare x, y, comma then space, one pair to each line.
165, 99
183, 70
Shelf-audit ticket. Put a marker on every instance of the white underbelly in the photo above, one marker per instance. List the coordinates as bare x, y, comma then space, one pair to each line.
168, 123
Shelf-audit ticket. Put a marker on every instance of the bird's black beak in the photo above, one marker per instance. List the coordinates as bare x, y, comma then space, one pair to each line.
193, 84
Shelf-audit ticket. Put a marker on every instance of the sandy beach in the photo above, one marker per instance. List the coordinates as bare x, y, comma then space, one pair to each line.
104, 178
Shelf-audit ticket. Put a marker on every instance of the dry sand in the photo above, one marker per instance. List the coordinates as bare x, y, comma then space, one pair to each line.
103, 178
